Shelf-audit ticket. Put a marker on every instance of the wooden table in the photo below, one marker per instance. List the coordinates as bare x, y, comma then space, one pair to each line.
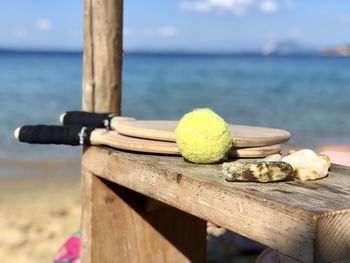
304, 221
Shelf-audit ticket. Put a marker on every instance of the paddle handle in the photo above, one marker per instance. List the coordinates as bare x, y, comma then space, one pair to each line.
51, 134
92, 119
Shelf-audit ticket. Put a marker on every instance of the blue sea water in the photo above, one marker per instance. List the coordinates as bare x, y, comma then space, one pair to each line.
308, 96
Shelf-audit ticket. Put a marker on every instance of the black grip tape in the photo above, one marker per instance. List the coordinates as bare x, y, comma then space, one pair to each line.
50, 134
89, 119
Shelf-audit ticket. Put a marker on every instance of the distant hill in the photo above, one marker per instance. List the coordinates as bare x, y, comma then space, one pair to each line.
287, 47
339, 51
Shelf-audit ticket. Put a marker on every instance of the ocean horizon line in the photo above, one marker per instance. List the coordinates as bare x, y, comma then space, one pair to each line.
168, 53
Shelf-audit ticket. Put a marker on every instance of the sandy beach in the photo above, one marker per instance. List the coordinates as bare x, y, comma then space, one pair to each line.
39, 208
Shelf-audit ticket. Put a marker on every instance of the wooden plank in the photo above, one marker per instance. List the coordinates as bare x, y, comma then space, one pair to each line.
103, 34
116, 228
284, 216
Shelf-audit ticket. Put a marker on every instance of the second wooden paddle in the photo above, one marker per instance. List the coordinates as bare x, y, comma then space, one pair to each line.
116, 140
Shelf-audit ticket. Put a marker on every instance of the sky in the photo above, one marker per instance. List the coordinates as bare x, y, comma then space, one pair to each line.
182, 25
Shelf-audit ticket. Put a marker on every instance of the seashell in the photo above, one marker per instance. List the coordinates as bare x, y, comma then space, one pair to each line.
257, 171
273, 158
307, 165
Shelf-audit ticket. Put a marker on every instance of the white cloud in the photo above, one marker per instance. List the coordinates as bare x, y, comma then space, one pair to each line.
237, 7
20, 33
268, 6
44, 24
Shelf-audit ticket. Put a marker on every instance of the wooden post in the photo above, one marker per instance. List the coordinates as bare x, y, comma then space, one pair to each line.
119, 225
103, 51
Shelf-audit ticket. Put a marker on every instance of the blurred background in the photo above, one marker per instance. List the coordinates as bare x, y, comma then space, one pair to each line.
275, 63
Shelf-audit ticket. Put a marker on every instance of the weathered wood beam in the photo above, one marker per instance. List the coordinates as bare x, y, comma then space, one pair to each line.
103, 55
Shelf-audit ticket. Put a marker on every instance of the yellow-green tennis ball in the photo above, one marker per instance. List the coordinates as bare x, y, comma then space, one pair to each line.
202, 136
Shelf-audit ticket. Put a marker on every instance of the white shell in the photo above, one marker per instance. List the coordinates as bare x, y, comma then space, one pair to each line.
307, 165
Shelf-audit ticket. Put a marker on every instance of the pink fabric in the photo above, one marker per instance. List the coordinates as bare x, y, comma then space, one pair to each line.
338, 157
70, 251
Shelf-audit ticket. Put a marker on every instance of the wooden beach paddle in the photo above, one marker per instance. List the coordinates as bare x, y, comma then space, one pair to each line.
244, 136
78, 135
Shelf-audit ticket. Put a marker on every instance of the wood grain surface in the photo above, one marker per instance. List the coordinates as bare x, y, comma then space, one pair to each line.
306, 221
115, 140
244, 136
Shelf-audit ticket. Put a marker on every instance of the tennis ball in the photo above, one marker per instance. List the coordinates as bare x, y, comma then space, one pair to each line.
202, 136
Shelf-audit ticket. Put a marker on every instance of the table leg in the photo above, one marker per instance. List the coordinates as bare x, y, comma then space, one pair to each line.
117, 228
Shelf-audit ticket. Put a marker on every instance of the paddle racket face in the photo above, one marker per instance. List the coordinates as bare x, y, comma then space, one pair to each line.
244, 136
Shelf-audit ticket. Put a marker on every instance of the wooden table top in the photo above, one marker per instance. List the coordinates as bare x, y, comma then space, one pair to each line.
306, 220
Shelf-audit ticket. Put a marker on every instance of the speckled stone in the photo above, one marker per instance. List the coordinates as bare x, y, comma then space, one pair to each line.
263, 171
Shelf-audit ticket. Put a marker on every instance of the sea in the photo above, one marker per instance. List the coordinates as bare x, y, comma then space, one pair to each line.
306, 95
